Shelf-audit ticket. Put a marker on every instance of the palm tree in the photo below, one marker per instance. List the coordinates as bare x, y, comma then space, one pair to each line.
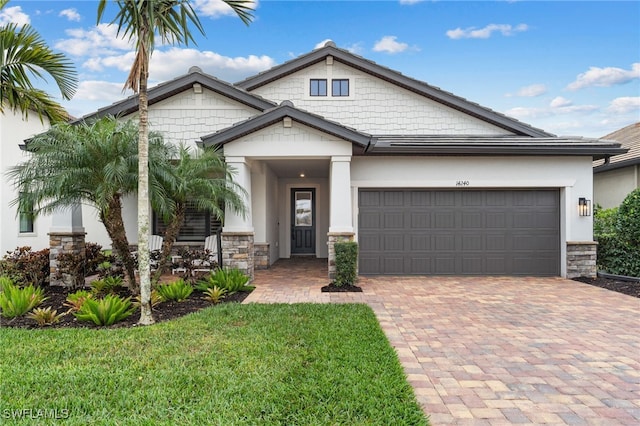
94, 163
203, 179
26, 55
141, 20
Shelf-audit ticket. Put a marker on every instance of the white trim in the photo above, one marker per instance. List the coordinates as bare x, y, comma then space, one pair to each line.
448, 184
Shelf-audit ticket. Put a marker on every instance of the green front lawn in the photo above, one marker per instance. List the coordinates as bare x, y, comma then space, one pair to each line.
305, 364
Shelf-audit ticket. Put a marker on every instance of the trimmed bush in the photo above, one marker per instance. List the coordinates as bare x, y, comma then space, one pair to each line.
346, 263
617, 231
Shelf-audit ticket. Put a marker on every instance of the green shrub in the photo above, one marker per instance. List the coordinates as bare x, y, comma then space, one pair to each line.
617, 231
215, 294
230, 279
628, 223
16, 301
77, 299
45, 316
3, 281
107, 285
346, 263
105, 311
24, 266
178, 290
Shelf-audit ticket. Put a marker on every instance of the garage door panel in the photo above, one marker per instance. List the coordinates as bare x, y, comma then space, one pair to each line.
497, 232
393, 242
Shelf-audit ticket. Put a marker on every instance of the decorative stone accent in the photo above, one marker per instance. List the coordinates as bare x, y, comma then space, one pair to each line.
581, 259
64, 242
238, 251
261, 255
333, 238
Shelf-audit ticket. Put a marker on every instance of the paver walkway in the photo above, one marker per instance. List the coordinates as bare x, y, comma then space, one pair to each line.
495, 351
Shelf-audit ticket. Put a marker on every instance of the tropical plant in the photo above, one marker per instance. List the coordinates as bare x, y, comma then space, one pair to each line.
156, 299
106, 311
92, 163
140, 21
215, 294
107, 285
4, 280
24, 266
25, 55
16, 301
230, 279
178, 290
45, 316
76, 300
204, 180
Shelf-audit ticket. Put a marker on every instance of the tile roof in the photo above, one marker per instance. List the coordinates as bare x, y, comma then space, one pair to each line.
629, 138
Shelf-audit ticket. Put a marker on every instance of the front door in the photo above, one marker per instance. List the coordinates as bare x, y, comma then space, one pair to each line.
303, 221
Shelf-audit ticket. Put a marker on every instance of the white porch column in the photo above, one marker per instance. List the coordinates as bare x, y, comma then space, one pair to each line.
235, 222
340, 205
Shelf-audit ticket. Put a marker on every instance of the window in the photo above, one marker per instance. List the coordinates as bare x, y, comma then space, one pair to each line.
340, 87
318, 87
26, 219
197, 225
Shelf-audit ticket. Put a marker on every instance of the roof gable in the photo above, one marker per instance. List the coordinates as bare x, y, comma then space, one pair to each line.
393, 77
274, 115
170, 88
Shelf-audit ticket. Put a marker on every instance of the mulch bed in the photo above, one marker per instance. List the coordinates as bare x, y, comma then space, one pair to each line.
332, 288
625, 287
56, 296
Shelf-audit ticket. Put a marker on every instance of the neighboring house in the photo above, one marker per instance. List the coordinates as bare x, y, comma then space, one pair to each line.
18, 230
614, 179
331, 147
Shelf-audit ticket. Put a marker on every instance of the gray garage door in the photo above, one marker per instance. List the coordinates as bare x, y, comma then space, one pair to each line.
459, 232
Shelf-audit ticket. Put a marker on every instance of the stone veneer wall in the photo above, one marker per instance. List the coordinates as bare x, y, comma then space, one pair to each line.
581, 259
238, 251
261, 255
64, 242
333, 238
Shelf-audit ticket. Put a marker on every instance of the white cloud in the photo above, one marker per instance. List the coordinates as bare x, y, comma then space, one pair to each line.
170, 63
322, 43
70, 14
559, 102
530, 91
216, 8
624, 105
410, 2
14, 15
605, 77
486, 32
99, 40
389, 44
103, 91
557, 106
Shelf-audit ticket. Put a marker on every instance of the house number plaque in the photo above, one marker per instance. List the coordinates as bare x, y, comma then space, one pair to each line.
462, 183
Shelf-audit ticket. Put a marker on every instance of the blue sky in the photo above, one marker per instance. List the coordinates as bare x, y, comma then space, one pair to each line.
568, 67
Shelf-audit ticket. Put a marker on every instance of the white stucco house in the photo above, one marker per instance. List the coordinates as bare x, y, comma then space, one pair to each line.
615, 178
18, 230
331, 146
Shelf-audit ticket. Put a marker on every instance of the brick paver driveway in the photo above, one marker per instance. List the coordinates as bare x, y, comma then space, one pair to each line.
496, 350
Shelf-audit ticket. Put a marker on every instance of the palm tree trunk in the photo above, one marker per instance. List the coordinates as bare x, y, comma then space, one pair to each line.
144, 269
170, 237
113, 223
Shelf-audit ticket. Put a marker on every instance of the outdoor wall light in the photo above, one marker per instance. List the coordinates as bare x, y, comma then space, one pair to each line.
584, 207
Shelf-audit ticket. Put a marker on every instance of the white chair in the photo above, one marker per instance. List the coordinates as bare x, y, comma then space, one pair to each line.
155, 244
206, 265
201, 265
